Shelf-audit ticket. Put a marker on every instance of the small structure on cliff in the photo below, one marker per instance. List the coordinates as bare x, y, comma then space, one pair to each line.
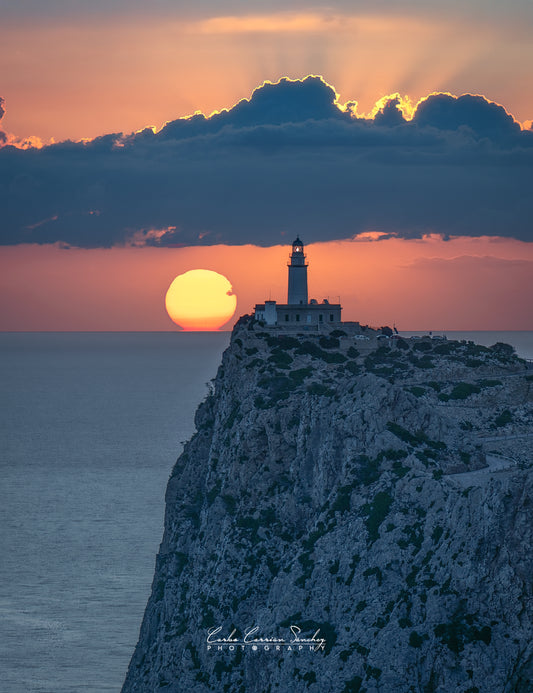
298, 311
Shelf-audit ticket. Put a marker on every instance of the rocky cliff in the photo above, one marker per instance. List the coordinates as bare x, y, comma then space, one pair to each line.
350, 515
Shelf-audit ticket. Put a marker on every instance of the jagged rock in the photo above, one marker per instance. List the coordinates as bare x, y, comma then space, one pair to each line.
380, 500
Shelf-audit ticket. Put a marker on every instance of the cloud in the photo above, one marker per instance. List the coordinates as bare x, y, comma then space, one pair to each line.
287, 101
20, 142
3, 136
473, 264
483, 117
291, 159
390, 114
77, 9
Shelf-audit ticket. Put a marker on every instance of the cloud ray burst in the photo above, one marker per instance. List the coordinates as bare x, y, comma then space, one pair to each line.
290, 159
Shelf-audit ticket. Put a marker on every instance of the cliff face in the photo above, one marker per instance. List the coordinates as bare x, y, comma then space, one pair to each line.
375, 500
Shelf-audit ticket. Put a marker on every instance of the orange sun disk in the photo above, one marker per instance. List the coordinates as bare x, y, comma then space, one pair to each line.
200, 300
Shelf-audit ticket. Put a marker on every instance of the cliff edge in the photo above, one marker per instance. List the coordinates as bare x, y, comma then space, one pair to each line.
350, 515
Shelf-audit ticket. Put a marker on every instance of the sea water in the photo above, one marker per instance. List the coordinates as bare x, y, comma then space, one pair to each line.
91, 425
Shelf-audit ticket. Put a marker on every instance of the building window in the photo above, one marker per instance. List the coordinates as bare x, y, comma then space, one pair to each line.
286, 317
331, 317
297, 317
320, 317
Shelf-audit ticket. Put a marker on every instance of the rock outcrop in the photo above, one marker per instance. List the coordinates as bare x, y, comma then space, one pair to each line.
359, 512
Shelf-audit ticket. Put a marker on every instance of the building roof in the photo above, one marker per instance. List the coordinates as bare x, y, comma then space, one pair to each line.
301, 306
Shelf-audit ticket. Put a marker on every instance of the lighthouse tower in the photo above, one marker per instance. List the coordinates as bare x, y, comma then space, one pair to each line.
297, 294
299, 313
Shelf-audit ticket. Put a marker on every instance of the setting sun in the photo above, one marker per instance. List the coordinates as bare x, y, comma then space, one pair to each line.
200, 300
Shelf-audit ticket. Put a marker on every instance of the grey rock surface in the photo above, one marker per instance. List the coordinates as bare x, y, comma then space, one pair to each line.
374, 495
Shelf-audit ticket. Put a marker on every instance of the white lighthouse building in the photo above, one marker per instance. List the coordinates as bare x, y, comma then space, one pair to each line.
297, 293
298, 312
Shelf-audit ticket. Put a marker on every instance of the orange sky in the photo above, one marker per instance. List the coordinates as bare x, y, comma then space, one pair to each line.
462, 284
73, 79
75, 70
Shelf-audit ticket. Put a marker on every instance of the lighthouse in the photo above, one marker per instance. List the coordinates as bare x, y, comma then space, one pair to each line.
299, 312
297, 293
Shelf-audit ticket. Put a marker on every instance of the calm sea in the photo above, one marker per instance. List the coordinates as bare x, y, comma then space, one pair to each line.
91, 426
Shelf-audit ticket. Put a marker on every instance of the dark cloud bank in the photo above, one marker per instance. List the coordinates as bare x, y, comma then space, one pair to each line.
287, 162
